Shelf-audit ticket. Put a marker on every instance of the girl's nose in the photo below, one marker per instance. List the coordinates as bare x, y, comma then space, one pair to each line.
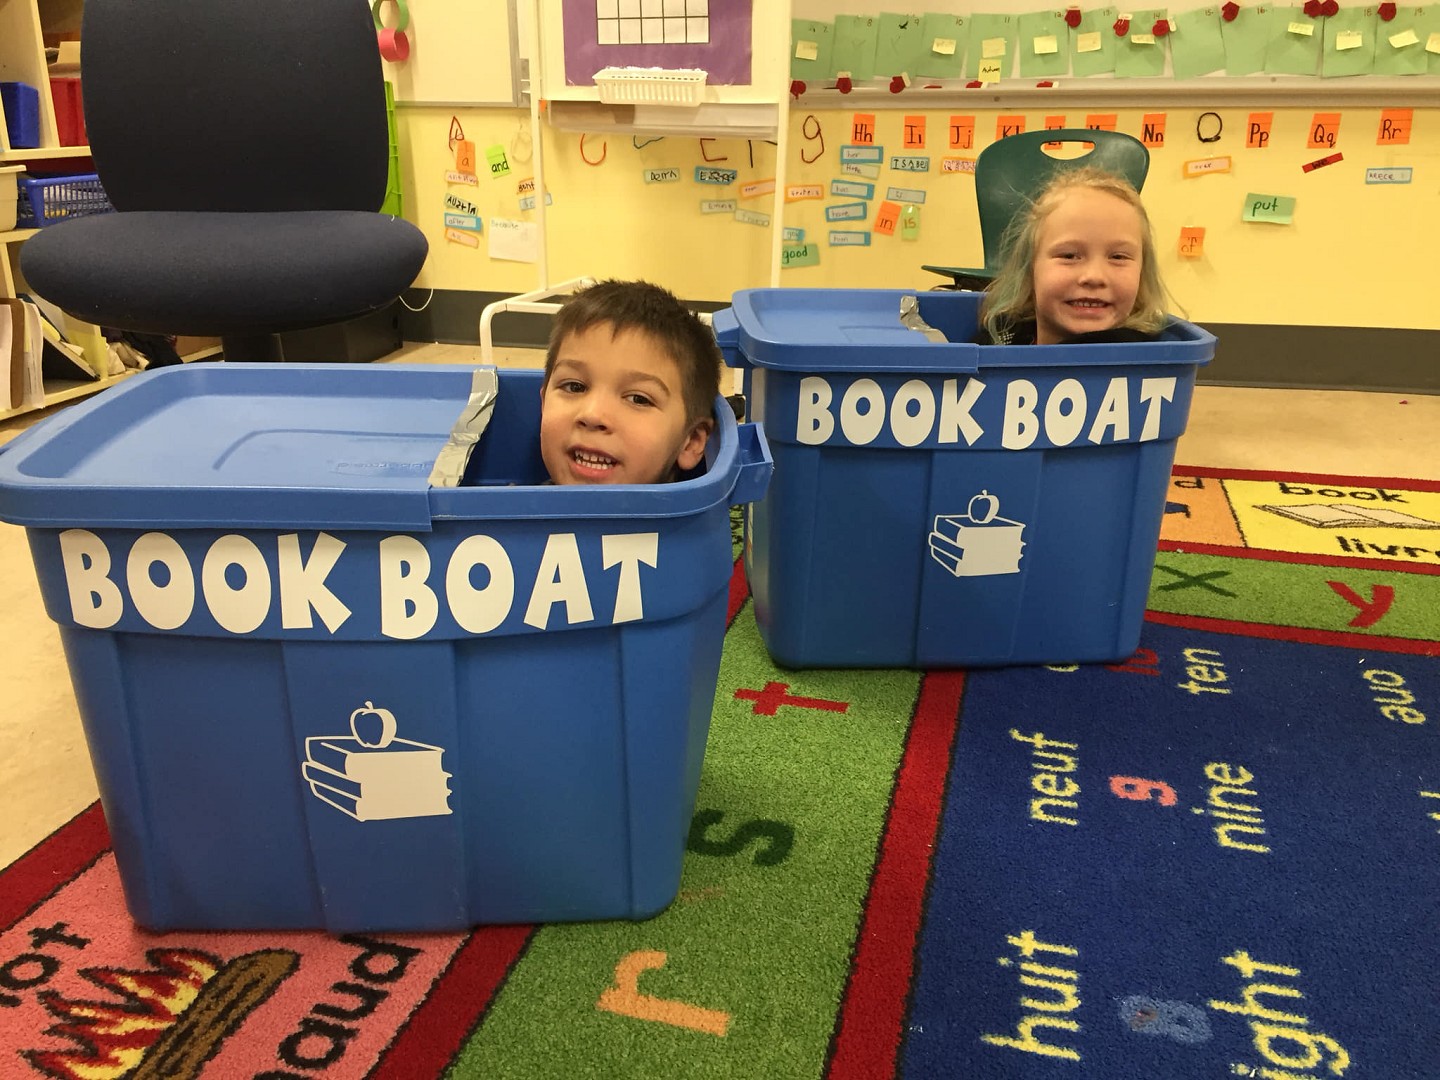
1092, 270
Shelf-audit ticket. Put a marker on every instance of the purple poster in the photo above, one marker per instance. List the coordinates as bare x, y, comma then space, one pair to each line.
710, 34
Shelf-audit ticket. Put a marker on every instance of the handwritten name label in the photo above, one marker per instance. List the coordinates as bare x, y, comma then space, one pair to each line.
855, 211
1205, 166
860, 168
793, 236
528, 202
463, 206
462, 178
797, 192
849, 238
957, 165
752, 217
661, 176
717, 206
1389, 176
910, 164
463, 221
456, 236
905, 195
704, 174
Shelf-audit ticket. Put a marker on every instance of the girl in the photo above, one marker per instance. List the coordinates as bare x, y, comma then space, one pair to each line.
1078, 266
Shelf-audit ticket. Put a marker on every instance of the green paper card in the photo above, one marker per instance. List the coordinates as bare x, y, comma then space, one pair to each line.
991, 33
1135, 56
1274, 209
945, 38
900, 45
1429, 25
1092, 46
1044, 45
1349, 42
1247, 39
810, 45
1196, 47
1292, 51
799, 255
1395, 51
853, 49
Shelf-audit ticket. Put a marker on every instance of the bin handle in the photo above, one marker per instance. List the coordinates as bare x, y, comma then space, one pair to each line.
726, 325
756, 465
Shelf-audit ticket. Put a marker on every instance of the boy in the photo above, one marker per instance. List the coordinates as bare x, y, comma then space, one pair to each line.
631, 377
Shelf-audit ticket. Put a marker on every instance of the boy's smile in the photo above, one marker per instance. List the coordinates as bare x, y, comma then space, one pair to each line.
613, 411
1087, 266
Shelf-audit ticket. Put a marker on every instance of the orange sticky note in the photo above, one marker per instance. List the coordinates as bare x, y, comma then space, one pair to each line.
1152, 129
962, 132
1257, 130
1324, 131
1009, 125
465, 157
915, 132
862, 128
1394, 127
1053, 123
1192, 242
1101, 121
886, 218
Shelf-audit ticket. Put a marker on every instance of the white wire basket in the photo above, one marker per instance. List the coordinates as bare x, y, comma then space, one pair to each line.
650, 86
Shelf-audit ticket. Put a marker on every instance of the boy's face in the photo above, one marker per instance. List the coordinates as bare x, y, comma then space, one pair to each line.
613, 411
1088, 253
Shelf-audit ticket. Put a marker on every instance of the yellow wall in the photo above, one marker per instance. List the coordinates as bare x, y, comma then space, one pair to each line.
1356, 255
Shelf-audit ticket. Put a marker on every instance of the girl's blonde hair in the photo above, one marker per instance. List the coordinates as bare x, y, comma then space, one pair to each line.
1011, 296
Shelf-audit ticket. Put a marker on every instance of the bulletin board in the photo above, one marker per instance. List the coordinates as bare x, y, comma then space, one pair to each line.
462, 52
740, 44
1193, 51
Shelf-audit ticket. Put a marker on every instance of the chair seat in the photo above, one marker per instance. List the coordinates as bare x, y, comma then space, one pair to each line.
223, 273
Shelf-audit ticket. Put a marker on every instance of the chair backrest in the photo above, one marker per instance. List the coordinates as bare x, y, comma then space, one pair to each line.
241, 105
1011, 171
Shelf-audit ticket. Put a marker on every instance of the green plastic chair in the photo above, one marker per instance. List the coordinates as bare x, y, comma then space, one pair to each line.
1010, 172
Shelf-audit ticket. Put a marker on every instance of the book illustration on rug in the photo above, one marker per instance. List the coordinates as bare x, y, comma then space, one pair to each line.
1350, 515
374, 776
977, 543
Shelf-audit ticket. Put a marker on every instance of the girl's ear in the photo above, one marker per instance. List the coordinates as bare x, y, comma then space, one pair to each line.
693, 449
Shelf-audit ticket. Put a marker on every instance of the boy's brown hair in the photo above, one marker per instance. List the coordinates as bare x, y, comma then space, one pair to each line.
639, 305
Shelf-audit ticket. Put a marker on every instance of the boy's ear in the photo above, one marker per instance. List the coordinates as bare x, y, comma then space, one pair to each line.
693, 449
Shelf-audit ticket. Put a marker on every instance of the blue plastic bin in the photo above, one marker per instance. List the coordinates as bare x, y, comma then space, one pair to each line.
21, 104
943, 504
319, 693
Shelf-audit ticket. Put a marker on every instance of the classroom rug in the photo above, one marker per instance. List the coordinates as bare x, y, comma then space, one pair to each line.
1218, 858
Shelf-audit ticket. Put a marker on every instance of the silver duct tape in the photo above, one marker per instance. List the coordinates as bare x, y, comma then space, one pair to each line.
910, 318
450, 465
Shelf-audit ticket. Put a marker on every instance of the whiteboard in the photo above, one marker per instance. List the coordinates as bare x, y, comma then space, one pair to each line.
462, 52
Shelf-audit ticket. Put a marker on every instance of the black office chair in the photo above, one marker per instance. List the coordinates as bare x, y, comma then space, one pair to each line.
245, 148
1010, 172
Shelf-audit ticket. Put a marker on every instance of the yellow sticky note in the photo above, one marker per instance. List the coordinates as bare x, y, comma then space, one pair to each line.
1088, 43
991, 48
806, 50
1348, 39
1304, 29
989, 71
1046, 45
943, 46
1142, 39
1432, 43
1401, 40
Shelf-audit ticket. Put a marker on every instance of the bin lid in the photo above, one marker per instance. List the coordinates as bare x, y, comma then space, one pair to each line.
330, 446
862, 330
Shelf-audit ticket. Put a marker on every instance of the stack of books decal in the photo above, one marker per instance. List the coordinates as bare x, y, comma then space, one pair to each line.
374, 776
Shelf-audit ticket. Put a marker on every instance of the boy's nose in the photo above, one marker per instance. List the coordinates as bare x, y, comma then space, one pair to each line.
594, 412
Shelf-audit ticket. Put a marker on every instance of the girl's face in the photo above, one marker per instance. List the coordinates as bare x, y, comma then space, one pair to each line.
1088, 253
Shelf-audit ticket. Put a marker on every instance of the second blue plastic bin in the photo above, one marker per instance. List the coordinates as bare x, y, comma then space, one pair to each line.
944, 504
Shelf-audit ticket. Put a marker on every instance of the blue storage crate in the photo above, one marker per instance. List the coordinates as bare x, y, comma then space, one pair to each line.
320, 693
943, 504
44, 200
21, 104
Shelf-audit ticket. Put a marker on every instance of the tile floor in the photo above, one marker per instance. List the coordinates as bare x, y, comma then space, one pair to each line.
45, 775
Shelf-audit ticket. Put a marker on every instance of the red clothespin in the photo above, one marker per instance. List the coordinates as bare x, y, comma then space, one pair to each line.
1161, 27
1312, 8
1387, 11
797, 87
899, 82
1122, 26
1230, 11
1072, 17
843, 83
1329, 7
974, 84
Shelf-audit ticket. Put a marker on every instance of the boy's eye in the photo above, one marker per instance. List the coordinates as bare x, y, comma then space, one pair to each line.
570, 386
638, 399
